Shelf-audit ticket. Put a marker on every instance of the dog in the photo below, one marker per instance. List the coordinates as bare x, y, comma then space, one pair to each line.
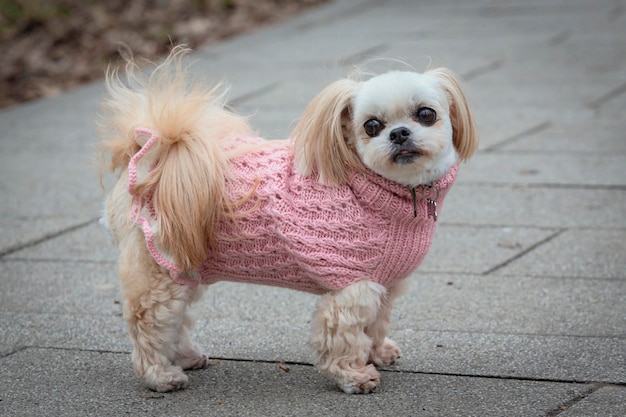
346, 208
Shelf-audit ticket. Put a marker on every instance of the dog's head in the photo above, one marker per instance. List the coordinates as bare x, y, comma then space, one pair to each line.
408, 127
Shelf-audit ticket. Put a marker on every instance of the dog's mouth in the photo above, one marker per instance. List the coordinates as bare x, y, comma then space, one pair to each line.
406, 156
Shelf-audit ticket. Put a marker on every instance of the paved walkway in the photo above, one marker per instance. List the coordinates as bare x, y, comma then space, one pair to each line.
519, 310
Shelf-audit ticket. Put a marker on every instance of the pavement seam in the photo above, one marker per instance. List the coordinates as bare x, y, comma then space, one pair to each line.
526, 334
239, 100
480, 70
404, 371
524, 226
526, 10
525, 276
539, 127
597, 384
503, 377
339, 14
13, 351
560, 38
46, 237
534, 152
616, 12
60, 261
573, 401
65, 349
523, 253
548, 185
608, 96
362, 55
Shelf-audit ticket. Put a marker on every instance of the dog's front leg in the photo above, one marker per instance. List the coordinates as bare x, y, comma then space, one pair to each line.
384, 351
339, 338
155, 312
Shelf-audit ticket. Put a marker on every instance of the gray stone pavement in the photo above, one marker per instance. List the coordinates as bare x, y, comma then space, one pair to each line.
519, 309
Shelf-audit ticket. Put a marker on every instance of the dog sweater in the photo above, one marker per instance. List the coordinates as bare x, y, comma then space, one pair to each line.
299, 233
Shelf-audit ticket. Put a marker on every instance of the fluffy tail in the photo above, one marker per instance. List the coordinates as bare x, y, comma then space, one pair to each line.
186, 182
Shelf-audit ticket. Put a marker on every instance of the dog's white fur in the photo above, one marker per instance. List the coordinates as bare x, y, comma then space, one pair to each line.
188, 179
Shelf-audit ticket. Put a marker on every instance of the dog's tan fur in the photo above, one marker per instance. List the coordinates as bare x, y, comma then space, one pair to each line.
188, 178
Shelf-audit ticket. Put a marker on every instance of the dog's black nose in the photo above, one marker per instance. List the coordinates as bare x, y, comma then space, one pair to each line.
399, 135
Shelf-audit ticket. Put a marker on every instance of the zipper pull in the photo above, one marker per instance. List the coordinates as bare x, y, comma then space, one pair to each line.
431, 203
431, 208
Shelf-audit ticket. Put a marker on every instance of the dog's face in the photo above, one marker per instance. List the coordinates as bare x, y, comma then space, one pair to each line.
401, 127
408, 127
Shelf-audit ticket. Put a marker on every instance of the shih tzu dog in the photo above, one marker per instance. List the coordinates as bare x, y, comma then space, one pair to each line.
346, 208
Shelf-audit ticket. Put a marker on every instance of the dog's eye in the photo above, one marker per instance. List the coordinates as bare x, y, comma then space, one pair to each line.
373, 127
426, 116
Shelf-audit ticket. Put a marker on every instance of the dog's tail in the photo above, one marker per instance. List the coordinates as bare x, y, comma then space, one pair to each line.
188, 169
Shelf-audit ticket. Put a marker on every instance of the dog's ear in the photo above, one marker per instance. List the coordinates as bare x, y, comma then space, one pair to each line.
322, 137
464, 130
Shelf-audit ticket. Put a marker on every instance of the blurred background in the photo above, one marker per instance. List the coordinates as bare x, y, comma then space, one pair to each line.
48, 46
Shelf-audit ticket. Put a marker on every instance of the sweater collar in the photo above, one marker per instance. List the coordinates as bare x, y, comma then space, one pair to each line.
381, 194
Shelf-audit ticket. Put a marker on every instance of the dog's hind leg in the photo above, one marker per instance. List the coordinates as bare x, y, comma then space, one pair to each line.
154, 309
339, 337
187, 354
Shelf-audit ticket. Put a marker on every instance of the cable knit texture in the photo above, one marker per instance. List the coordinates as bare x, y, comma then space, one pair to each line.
301, 234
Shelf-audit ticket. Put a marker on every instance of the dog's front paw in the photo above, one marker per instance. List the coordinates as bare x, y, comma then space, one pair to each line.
385, 354
165, 378
360, 381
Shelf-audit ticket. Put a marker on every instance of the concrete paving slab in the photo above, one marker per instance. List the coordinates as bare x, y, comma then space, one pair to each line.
540, 357
45, 163
246, 388
469, 249
272, 122
75, 108
20, 231
431, 52
255, 303
573, 138
92, 242
511, 305
587, 170
597, 53
534, 206
576, 253
288, 50
64, 331
54, 288
552, 92
497, 127
37, 178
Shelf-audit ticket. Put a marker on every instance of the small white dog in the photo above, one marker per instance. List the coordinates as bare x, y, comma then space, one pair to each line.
347, 208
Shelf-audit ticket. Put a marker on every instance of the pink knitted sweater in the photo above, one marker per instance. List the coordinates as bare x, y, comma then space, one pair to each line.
305, 235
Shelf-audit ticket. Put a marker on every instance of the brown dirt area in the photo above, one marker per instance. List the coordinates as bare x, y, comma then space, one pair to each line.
48, 46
